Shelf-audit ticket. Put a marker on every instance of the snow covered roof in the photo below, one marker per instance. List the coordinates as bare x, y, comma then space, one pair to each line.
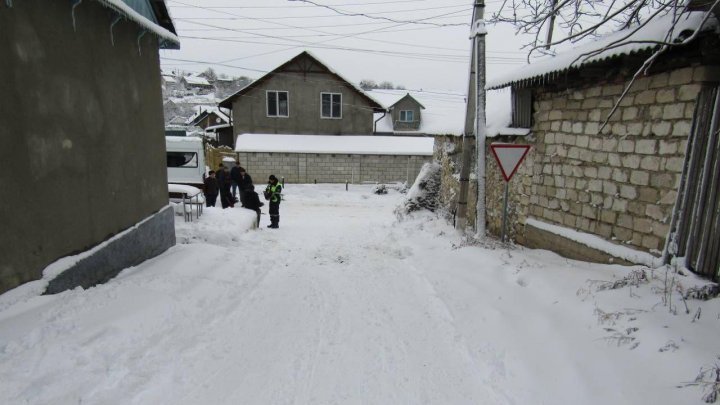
220, 126
227, 102
183, 139
169, 79
390, 97
197, 80
202, 111
645, 38
161, 26
205, 99
444, 112
350, 144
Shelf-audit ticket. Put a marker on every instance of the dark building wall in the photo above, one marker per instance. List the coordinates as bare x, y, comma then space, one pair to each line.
250, 114
81, 142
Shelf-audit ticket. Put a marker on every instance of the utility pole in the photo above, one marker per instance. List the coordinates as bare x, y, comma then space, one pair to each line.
474, 123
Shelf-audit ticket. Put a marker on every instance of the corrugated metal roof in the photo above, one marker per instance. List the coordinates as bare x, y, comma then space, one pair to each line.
624, 42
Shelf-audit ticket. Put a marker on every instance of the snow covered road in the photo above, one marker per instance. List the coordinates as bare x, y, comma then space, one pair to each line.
344, 305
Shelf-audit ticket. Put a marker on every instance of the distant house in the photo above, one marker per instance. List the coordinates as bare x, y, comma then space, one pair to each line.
419, 113
286, 123
82, 139
198, 83
215, 122
642, 189
302, 96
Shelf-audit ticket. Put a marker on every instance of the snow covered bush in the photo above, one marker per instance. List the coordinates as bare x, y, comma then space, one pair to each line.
424, 194
380, 189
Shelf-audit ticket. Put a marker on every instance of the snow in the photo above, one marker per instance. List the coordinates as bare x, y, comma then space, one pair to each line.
139, 19
197, 80
201, 109
444, 113
655, 30
596, 242
350, 144
182, 188
345, 305
184, 140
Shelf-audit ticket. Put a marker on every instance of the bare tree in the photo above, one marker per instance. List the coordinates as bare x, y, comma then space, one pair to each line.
577, 20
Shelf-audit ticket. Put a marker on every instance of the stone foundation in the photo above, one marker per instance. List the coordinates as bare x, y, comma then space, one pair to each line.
144, 241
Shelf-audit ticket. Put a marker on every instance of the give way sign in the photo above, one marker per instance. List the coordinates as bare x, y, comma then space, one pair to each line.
509, 156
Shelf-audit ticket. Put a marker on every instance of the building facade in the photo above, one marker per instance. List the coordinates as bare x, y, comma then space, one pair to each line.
85, 163
302, 96
621, 170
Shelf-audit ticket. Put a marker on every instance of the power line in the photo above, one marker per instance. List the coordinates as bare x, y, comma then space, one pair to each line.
375, 17
302, 43
301, 6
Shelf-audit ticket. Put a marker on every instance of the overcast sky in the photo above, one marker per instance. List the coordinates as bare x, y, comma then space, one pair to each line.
251, 37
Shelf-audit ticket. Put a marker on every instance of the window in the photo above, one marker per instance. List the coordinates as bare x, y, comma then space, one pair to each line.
331, 105
407, 116
521, 108
182, 159
277, 103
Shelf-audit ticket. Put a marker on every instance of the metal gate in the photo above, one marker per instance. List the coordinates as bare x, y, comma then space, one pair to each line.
696, 238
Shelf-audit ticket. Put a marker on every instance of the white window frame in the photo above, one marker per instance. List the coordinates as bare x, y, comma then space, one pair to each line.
331, 106
412, 113
277, 103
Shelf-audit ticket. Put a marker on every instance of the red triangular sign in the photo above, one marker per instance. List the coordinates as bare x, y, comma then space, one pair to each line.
509, 156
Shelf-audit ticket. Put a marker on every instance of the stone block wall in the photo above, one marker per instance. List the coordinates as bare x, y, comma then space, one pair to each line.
448, 153
332, 168
619, 182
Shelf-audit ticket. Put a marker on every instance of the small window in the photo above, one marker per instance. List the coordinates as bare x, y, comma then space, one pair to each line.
407, 116
521, 108
182, 159
331, 105
277, 103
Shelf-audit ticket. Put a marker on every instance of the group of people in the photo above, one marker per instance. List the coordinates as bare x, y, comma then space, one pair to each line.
234, 183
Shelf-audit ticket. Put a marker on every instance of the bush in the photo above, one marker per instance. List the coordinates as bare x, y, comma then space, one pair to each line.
424, 194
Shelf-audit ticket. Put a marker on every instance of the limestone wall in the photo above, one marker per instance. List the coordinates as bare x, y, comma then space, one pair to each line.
619, 183
448, 152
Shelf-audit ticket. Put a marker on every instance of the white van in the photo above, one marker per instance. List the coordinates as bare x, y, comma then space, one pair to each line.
185, 160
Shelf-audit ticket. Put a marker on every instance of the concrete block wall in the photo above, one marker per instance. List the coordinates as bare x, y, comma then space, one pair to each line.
332, 168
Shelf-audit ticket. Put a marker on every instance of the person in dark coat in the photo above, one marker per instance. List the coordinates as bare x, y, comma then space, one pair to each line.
211, 189
224, 181
245, 184
273, 194
252, 202
235, 178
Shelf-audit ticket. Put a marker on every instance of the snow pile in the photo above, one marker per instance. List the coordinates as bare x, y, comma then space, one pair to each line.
380, 189
350, 144
424, 194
